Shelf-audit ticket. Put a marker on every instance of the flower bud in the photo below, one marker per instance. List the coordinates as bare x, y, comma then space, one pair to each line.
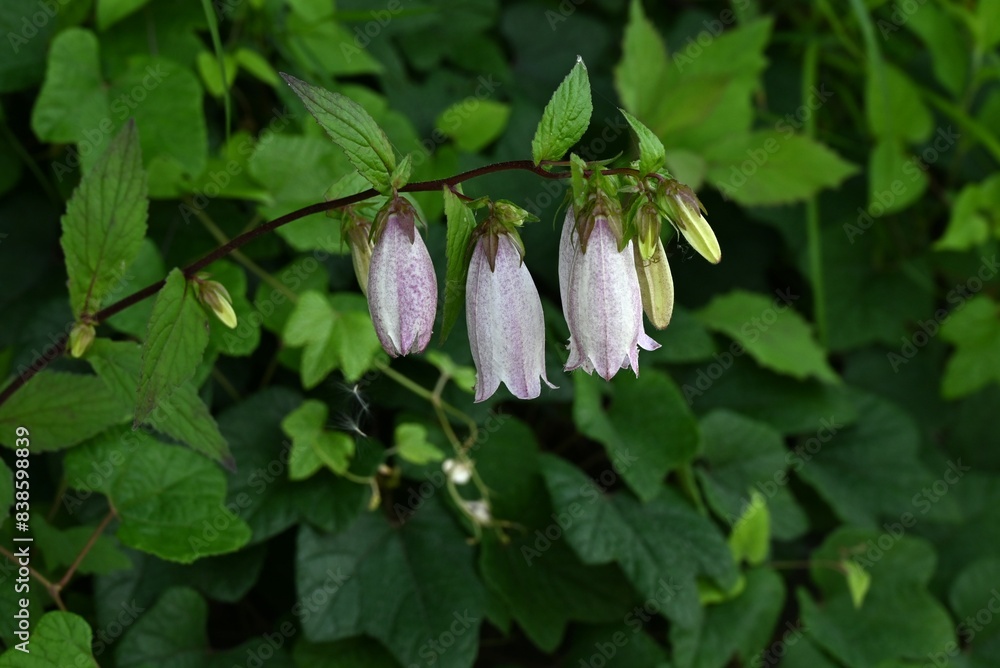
402, 287
215, 296
647, 231
685, 212
479, 511
358, 233
80, 338
656, 285
458, 472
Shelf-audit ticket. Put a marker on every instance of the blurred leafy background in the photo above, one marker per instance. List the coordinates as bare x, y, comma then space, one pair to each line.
805, 474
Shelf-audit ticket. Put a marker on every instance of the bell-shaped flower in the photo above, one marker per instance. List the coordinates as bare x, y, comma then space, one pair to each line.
504, 315
402, 287
601, 299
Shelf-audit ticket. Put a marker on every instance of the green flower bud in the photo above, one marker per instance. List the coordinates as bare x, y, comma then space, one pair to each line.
656, 285
80, 338
215, 296
685, 212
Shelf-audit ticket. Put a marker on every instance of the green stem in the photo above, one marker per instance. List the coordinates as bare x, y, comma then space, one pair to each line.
252, 266
809, 70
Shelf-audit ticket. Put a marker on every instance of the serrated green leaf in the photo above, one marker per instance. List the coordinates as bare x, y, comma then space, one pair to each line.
353, 129
565, 118
175, 341
434, 585
59, 640
771, 332
411, 444
619, 528
461, 222
751, 535
62, 409
183, 416
105, 223
651, 152
168, 499
648, 430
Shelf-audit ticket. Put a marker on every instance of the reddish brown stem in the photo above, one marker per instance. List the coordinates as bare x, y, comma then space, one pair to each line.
59, 347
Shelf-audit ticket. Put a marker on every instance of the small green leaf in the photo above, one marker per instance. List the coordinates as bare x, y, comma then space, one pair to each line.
464, 376
651, 153
335, 332
258, 66
175, 341
62, 409
975, 216
60, 639
751, 536
313, 446
461, 222
566, 116
73, 99
771, 332
412, 445
168, 499
105, 223
858, 580
353, 129
975, 331
61, 547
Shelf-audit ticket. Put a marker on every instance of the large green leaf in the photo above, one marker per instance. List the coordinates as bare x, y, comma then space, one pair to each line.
353, 129
62, 409
740, 627
663, 564
105, 223
566, 116
773, 167
175, 341
771, 332
171, 634
168, 499
743, 456
60, 639
404, 586
871, 470
183, 416
648, 430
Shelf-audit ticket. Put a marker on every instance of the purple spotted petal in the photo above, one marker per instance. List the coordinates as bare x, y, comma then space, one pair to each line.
506, 327
602, 303
402, 290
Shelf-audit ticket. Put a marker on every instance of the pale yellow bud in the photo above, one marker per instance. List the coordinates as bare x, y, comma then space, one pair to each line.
656, 285
215, 296
80, 338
